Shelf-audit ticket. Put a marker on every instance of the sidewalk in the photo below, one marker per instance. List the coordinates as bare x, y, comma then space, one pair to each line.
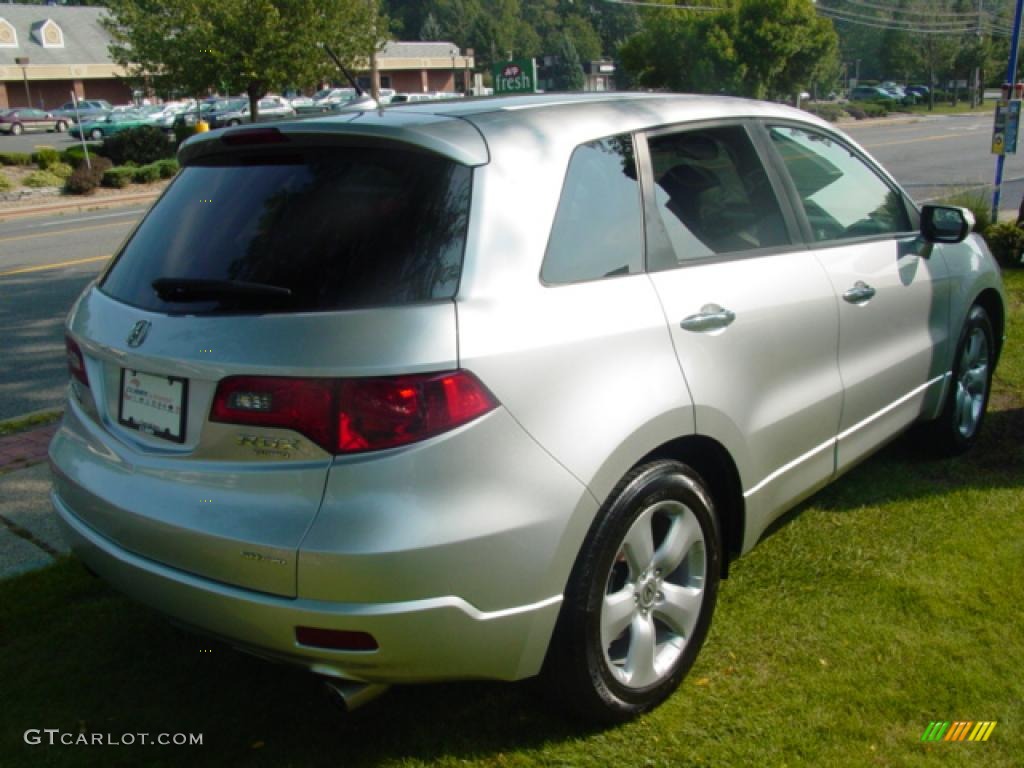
29, 536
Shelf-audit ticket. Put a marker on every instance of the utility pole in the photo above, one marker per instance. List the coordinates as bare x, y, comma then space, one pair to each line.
976, 92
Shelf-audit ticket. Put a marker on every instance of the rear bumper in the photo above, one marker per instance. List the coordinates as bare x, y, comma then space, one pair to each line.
439, 638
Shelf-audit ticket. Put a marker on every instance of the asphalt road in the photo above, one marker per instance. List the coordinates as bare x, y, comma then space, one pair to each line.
44, 265
28, 142
938, 156
45, 262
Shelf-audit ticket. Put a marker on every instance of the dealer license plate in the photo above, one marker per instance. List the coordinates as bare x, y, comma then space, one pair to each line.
153, 404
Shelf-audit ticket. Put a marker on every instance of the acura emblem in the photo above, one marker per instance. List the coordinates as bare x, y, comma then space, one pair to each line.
138, 334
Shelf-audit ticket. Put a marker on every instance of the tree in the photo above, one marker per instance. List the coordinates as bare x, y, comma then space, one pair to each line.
759, 48
431, 29
568, 70
784, 44
250, 46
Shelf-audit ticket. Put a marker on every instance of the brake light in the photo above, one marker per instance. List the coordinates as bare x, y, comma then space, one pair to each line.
246, 136
76, 363
355, 415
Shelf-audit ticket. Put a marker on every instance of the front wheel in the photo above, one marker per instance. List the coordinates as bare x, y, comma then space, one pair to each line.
959, 424
61, 126
16, 129
96, 134
640, 598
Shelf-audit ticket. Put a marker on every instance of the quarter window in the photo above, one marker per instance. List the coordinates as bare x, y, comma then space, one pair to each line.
712, 194
842, 196
598, 229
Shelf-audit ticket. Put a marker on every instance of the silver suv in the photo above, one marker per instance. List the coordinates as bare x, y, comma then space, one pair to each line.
497, 388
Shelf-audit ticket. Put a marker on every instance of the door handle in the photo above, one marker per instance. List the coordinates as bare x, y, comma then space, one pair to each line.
861, 293
711, 317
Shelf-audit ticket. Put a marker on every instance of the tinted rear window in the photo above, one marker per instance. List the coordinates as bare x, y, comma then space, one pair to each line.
340, 229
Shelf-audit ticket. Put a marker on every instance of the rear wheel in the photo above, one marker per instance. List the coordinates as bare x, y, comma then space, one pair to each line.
96, 134
639, 602
957, 428
61, 126
17, 129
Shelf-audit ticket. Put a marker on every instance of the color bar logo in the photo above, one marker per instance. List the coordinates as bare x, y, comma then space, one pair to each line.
961, 730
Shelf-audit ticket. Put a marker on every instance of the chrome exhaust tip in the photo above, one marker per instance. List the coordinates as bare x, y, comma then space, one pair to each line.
350, 695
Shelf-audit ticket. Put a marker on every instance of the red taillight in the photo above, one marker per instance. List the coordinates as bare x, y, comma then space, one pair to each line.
355, 415
76, 363
337, 639
244, 136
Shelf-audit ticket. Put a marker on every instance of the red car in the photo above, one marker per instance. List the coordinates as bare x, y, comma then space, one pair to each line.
16, 121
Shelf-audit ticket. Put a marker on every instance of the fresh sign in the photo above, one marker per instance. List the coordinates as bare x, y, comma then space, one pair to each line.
515, 76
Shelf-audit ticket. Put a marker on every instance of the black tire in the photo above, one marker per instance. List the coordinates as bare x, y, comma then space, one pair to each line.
96, 134
958, 426
594, 680
16, 129
233, 123
61, 126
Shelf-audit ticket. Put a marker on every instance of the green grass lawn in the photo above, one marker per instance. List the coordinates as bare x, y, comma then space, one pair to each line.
889, 600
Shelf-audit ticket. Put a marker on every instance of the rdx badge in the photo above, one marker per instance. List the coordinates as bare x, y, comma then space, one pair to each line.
268, 443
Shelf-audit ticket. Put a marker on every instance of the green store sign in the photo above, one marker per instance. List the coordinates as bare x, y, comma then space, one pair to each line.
519, 76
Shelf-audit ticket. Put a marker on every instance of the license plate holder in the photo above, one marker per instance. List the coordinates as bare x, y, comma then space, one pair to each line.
154, 405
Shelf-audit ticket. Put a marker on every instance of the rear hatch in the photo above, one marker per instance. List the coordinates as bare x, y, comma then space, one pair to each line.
269, 273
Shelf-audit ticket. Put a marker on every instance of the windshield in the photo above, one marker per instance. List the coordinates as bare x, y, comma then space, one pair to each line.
337, 229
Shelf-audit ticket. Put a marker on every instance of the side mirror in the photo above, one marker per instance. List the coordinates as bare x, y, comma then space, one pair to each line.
945, 223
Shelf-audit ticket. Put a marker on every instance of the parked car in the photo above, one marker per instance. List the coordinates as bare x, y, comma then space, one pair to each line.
113, 123
207, 106
88, 109
921, 91
236, 111
21, 119
348, 398
876, 93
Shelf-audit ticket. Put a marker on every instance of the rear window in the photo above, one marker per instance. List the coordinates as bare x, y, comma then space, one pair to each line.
338, 229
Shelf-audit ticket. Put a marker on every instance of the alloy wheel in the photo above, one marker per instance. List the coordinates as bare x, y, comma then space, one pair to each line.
654, 594
972, 384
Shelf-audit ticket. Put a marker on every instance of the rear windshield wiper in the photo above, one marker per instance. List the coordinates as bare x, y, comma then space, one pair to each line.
186, 289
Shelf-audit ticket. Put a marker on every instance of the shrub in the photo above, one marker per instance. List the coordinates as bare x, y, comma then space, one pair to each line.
830, 112
84, 180
44, 157
15, 158
74, 155
5, 183
977, 202
143, 145
117, 178
147, 174
168, 168
42, 179
63, 170
855, 112
874, 108
1006, 241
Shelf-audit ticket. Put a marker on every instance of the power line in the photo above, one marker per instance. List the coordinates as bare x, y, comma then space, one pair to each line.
936, 27
667, 6
966, 15
889, 24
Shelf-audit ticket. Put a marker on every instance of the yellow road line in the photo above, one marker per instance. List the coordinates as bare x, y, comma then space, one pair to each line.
55, 233
923, 138
58, 265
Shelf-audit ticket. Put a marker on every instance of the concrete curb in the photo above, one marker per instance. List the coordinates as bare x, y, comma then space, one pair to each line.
85, 204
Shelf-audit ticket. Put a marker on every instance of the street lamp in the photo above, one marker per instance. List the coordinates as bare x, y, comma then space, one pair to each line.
22, 61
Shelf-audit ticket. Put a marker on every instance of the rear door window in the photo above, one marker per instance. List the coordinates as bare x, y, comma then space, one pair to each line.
712, 195
334, 229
